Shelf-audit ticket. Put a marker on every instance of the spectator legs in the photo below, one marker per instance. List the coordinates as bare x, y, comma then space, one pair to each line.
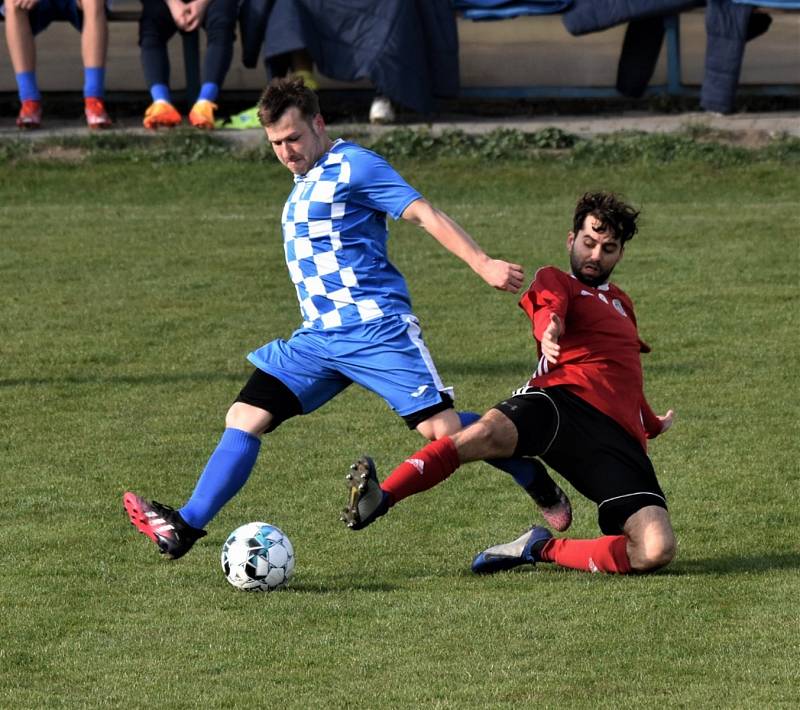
19, 38
94, 36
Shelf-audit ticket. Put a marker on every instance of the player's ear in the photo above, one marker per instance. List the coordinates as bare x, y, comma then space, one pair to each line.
570, 240
318, 122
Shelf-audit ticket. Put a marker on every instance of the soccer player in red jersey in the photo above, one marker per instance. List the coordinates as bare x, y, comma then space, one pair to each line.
583, 412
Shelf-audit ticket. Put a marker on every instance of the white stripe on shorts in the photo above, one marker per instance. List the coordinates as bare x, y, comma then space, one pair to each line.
415, 335
628, 495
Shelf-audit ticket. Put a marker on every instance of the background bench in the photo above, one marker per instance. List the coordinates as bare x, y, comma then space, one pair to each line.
526, 57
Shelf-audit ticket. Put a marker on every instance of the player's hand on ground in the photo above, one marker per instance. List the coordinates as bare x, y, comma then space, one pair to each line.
549, 343
666, 420
503, 275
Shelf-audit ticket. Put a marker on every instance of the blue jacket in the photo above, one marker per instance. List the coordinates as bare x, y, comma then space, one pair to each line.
726, 34
408, 49
586, 16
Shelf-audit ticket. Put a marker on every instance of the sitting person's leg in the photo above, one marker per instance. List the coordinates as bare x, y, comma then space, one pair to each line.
220, 26
637, 60
22, 50
94, 49
156, 28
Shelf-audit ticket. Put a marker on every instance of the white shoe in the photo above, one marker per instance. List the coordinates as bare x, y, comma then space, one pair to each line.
381, 110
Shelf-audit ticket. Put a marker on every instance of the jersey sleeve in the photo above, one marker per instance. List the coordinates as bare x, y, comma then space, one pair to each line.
377, 185
548, 294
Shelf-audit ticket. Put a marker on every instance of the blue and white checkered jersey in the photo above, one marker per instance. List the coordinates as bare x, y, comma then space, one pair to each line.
335, 236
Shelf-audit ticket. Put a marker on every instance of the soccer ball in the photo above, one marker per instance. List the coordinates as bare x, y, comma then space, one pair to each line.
257, 557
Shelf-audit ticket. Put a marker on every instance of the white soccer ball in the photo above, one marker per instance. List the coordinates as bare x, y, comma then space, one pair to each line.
258, 557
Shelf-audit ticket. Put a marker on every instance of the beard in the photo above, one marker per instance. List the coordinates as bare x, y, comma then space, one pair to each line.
593, 278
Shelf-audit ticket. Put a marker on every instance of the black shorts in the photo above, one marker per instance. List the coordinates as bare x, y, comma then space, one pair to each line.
588, 448
267, 392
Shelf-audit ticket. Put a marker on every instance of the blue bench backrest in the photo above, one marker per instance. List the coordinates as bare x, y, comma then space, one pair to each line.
777, 4
504, 9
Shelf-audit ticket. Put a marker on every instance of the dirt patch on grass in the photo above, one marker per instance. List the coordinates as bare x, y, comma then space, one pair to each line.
59, 153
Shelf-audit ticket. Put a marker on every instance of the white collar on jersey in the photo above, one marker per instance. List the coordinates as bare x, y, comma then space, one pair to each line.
601, 287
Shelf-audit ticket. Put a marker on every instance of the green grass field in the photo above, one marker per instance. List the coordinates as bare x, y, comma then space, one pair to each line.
132, 291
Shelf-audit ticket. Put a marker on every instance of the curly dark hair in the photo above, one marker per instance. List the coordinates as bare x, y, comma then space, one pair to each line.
284, 93
612, 212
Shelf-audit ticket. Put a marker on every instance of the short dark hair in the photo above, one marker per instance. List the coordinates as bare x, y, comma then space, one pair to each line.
284, 93
612, 212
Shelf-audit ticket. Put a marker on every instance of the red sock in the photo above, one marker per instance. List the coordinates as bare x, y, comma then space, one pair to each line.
602, 554
422, 470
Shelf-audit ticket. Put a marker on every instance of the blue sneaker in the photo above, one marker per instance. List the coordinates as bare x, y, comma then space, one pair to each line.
366, 500
522, 551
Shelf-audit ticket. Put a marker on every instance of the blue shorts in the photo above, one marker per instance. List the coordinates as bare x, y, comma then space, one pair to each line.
47, 11
386, 356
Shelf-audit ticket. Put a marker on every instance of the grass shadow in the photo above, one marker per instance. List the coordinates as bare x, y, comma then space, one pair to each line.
736, 564
148, 379
348, 584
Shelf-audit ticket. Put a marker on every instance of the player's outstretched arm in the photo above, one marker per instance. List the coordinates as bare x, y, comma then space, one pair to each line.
500, 274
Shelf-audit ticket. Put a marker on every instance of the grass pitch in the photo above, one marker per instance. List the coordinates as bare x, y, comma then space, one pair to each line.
132, 292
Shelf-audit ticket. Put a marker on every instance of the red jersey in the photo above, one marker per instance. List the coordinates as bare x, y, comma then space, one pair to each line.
600, 348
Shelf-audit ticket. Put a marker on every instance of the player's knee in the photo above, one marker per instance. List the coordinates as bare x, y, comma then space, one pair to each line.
482, 440
247, 418
654, 552
440, 424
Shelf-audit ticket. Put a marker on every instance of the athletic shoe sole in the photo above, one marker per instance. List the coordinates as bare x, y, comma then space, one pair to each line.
559, 516
136, 507
366, 501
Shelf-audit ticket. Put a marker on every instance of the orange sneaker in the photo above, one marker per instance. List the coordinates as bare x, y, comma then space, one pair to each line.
30, 115
202, 115
161, 114
96, 114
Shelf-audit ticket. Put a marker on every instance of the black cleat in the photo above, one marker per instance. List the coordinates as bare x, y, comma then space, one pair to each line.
162, 524
366, 500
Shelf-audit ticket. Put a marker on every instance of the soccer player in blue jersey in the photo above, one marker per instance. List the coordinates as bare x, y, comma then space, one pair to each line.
358, 325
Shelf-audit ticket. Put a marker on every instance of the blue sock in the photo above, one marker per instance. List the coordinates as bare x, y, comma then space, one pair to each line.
28, 87
226, 472
160, 92
523, 471
94, 82
468, 418
208, 92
